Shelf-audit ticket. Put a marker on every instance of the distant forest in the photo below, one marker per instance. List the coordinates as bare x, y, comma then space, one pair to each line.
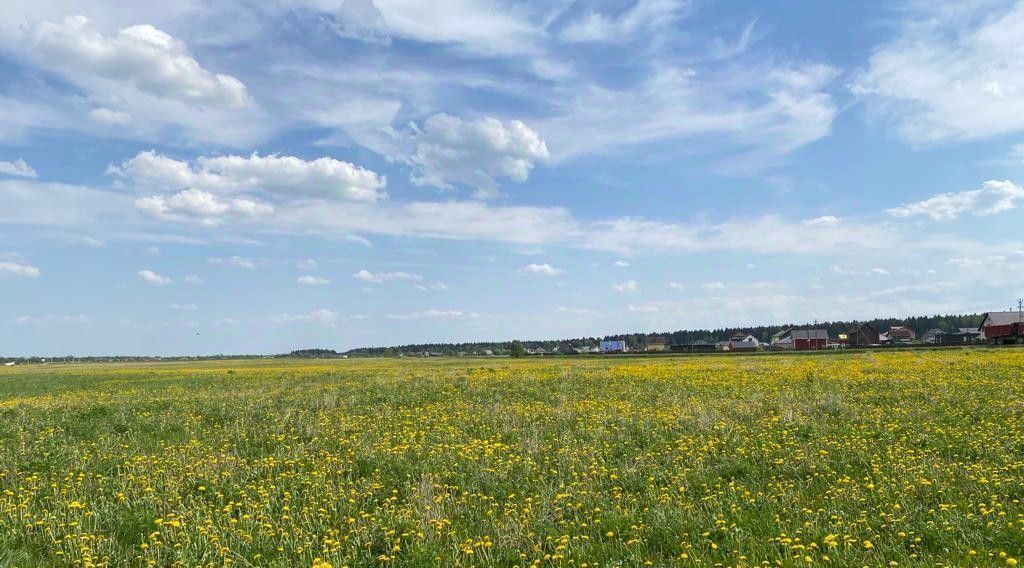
920, 325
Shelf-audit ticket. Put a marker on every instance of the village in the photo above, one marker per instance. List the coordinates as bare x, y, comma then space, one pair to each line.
996, 328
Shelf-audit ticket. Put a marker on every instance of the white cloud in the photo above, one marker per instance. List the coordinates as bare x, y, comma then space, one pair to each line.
484, 27
140, 56
53, 320
644, 15
544, 269
19, 270
675, 286
307, 264
381, 277
18, 168
153, 251
434, 314
150, 277
282, 177
674, 103
110, 116
954, 72
644, 309
184, 307
714, 285
236, 261
323, 316
629, 286
436, 286
993, 197
308, 280
826, 221
621, 263
447, 150
194, 280
204, 207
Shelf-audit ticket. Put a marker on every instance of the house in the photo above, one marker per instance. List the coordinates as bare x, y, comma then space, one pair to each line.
901, 334
743, 342
782, 339
934, 336
1002, 327
617, 346
810, 339
800, 339
655, 343
722, 346
699, 346
862, 335
969, 334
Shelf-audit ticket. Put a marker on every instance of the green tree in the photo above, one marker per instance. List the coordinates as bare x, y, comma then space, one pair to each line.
517, 349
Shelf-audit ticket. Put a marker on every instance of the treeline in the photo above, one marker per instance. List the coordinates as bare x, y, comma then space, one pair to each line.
920, 325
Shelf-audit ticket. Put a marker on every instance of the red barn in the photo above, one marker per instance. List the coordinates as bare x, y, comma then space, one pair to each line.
1003, 327
810, 339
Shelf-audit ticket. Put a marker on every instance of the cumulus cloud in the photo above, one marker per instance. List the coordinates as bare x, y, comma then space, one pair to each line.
308, 280
714, 285
675, 286
447, 150
381, 277
18, 168
235, 261
323, 316
140, 56
201, 206
621, 263
150, 277
953, 72
19, 270
281, 177
644, 309
194, 280
627, 287
184, 307
544, 269
993, 197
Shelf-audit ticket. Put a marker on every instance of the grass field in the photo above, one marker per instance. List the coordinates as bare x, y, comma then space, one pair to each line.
909, 459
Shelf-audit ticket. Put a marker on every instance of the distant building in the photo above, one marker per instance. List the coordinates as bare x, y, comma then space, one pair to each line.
655, 343
901, 334
616, 346
800, 339
1002, 327
934, 336
743, 342
862, 335
722, 346
699, 346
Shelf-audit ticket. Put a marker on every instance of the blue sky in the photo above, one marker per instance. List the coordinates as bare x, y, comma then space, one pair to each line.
241, 177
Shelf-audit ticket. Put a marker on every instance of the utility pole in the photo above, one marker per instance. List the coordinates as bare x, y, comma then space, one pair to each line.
1020, 309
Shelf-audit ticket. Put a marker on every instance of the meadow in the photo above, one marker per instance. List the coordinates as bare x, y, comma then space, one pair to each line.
872, 459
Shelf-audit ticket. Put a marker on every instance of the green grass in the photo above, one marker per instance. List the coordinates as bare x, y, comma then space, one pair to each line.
857, 459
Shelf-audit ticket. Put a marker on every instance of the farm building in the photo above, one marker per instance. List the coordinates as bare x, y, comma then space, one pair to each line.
935, 336
655, 343
901, 334
617, 346
722, 346
699, 346
862, 335
800, 339
743, 342
1003, 327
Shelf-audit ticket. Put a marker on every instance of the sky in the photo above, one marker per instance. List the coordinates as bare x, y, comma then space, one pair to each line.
202, 177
